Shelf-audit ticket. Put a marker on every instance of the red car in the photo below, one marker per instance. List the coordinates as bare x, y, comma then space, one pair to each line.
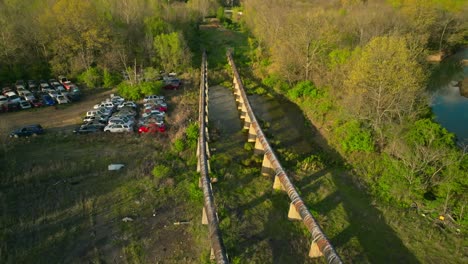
68, 85
36, 103
152, 128
173, 84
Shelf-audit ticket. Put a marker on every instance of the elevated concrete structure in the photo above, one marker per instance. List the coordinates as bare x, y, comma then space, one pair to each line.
209, 216
271, 166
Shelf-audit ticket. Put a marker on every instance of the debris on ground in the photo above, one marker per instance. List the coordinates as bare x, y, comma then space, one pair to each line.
115, 166
127, 219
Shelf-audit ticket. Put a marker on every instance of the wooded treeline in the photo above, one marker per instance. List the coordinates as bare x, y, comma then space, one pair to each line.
95, 38
359, 69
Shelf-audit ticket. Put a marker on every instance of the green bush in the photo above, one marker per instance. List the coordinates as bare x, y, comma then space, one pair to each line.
161, 171
137, 91
91, 77
304, 89
220, 14
426, 132
274, 81
192, 135
249, 146
129, 91
109, 79
312, 163
354, 138
179, 145
148, 88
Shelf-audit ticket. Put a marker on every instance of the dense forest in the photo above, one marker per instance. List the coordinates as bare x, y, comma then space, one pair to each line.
96, 40
357, 69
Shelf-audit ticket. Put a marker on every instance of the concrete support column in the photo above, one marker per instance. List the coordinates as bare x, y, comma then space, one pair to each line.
243, 111
198, 164
204, 219
247, 121
198, 147
212, 255
208, 154
314, 251
252, 134
277, 184
258, 147
199, 182
267, 169
293, 214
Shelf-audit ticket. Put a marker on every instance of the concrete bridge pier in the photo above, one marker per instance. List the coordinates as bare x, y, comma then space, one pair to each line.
247, 122
204, 219
258, 149
277, 185
267, 167
314, 251
252, 133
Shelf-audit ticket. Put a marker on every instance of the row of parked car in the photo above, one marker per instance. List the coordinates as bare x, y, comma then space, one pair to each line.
25, 95
117, 115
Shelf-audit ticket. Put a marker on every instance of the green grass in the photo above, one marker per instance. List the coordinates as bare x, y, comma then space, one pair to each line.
61, 204
216, 41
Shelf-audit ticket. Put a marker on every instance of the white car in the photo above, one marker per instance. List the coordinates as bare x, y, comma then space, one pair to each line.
59, 88
152, 97
61, 99
153, 113
129, 103
24, 104
108, 105
29, 96
54, 94
122, 120
13, 97
117, 99
95, 118
21, 91
118, 128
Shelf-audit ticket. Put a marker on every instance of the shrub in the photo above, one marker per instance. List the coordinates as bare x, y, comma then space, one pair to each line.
161, 171
355, 138
129, 91
109, 80
311, 163
179, 145
91, 77
304, 89
220, 14
137, 91
148, 88
249, 146
192, 134
426, 132
260, 91
275, 82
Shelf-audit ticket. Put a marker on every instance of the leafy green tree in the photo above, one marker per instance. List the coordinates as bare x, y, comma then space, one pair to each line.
129, 91
355, 138
91, 77
172, 51
109, 79
77, 35
148, 88
385, 85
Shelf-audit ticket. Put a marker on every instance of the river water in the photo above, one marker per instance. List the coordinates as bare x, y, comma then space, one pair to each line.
449, 107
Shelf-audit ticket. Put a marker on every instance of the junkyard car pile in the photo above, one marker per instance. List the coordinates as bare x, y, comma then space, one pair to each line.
117, 115
25, 95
